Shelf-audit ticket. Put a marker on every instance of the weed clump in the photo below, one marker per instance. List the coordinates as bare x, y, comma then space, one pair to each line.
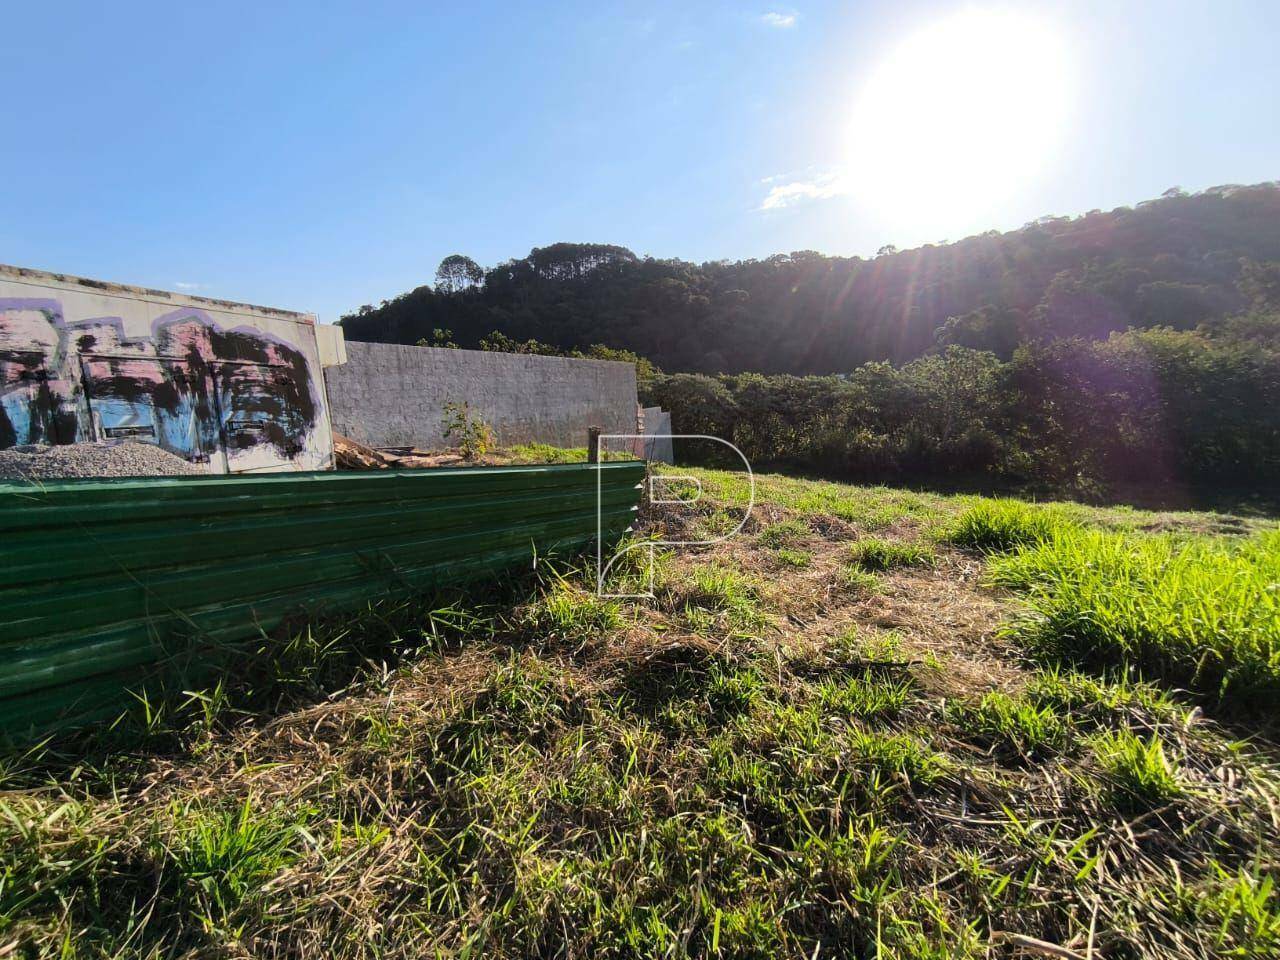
997, 526
1142, 774
784, 533
568, 614
1014, 724
877, 555
717, 592
858, 581
1201, 613
898, 756
221, 857
870, 696
797, 559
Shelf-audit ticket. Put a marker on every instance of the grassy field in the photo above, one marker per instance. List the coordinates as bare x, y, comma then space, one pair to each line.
874, 723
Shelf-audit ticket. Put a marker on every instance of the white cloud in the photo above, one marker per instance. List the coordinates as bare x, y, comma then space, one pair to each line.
787, 191
187, 286
781, 21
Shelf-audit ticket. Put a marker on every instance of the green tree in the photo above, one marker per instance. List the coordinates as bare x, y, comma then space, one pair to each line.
457, 273
998, 330
1259, 283
439, 338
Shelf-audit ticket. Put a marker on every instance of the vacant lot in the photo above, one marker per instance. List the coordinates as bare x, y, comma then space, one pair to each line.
874, 723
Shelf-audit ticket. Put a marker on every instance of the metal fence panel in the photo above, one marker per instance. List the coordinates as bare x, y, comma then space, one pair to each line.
109, 581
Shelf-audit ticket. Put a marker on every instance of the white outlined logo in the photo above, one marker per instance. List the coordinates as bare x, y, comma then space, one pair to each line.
659, 485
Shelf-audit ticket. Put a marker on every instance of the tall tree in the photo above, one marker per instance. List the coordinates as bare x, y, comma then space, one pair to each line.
457, 273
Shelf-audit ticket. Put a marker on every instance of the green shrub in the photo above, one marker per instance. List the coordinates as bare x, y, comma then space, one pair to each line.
473, 435
1098, 699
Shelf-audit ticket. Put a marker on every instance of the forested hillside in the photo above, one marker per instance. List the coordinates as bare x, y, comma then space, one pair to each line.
1173, 262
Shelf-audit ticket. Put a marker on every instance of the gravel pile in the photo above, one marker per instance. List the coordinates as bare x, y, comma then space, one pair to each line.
117, 458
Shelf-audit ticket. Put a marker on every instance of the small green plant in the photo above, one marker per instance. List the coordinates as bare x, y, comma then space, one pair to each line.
472, 434
1013, 723
721, 590
714, 525
1141, 771
858, 581
854, 646
567, 613
871, 696
898, 756
1244, 911
224, 855
877, 555
731, 689
793, 558
784, 533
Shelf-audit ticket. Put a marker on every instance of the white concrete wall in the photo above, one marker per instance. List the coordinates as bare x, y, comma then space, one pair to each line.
390, 395
657, 431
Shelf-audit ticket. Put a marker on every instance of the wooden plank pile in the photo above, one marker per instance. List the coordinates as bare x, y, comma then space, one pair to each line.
350, 454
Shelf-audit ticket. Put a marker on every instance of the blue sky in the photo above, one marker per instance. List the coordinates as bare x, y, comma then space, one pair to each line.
318, 156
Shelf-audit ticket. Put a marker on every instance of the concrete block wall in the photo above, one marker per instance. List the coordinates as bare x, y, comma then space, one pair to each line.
390, 395
657, 431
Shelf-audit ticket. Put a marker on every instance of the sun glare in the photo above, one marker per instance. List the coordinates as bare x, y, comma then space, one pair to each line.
959, 117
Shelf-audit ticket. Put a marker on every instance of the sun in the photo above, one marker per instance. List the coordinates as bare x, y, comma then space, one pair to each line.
960, 116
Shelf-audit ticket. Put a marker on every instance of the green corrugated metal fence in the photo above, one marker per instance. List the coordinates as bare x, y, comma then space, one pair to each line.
105, 580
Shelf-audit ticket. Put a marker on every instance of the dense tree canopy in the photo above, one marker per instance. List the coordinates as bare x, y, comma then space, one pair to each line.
1136, 347
1167, 411
1173, 262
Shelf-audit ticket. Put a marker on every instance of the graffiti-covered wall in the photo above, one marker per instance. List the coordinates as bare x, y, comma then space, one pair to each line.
235, 387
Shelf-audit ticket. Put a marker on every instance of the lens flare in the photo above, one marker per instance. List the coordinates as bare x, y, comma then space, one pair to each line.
959, 117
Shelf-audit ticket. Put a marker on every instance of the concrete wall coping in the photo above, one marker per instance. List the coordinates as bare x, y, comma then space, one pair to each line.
66, 281
476, 354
